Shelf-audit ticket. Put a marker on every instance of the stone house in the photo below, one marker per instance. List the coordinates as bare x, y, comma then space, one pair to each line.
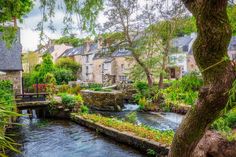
56, 51
181, 60
10, 63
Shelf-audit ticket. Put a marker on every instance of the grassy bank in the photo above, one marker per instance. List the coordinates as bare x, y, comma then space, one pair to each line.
163, 137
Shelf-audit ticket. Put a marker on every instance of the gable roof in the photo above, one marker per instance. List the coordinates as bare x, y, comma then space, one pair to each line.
121, 53
73, 51
10, 58
181, 41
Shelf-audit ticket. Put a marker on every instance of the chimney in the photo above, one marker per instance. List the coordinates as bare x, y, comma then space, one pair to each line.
100, 42
108, 42
87, 45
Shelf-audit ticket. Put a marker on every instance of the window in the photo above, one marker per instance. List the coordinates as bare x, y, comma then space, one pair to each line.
122, 67
173, 59
185, 48
87, 58
123, 78
87, 70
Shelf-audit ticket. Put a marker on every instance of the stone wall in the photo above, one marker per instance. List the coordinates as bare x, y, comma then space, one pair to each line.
139, 143
16, 78
104, 101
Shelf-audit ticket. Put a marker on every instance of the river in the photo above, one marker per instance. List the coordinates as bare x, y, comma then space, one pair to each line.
62, 138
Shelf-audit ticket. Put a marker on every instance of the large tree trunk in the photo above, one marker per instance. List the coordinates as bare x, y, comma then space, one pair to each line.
164, 65
214, 34
145, 69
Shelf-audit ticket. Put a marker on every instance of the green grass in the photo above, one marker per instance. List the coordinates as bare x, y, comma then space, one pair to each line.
163, 137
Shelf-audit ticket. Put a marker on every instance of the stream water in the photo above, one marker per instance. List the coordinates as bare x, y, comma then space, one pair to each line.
60, 138
160, 121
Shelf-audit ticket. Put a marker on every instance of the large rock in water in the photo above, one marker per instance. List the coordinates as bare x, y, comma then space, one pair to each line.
104, 101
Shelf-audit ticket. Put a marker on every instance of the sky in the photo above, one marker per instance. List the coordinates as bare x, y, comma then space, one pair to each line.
30, 37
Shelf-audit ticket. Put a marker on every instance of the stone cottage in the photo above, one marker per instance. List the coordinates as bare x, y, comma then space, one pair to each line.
181, 61
10, 63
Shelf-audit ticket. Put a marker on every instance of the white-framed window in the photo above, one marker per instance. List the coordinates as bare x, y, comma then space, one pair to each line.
123, 78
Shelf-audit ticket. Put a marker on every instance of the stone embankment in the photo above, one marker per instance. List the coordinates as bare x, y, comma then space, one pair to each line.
141, 144
104, 101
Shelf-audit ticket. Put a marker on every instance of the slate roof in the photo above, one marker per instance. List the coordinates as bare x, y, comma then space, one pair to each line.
73, 51
10, 59
108, 60
104, 53
181, 41
93, 47
121, 53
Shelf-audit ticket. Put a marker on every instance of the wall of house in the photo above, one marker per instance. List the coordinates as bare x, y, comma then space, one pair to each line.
179, 60
58, 51
97, 70
87, 67
122, 68
16, 78
191, 64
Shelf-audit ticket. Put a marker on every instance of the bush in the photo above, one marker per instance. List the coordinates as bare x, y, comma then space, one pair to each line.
7, 108
63, 76
226, 124
68, 64
69, 100
146, 105
184, 90
84, 109
132, 117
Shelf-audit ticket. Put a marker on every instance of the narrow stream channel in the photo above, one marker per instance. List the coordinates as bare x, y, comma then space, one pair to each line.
59, 138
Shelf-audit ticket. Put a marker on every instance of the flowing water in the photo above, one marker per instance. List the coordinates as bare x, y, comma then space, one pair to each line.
61, 138
160, 121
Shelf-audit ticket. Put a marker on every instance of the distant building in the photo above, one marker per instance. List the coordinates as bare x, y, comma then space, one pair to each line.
181, 61
10, 63
99, 64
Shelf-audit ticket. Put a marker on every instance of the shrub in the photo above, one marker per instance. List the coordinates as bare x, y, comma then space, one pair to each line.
132, 117
225, 124
63, 88
184, 90
71, 101
63, 76
75, 89
7, 108
68, 64
68, 100
146, 105
84, 109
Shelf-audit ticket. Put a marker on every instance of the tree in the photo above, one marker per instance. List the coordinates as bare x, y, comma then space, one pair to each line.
46, 67
123, 17
14, 9
210, 51
69, 64
76, 42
